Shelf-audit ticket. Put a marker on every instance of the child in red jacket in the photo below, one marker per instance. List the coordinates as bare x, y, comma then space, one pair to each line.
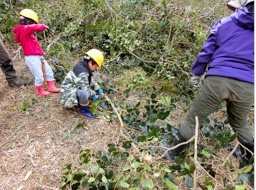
25, 36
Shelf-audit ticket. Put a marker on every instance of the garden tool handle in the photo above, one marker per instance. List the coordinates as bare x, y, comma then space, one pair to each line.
43, 70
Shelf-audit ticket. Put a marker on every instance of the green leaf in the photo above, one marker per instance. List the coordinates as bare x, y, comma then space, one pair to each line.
209, 187
78, 176
248, 169
171, 185
187, 166
147, 168
104, 179
153, 96
127, 92
241, 187
135, 188
124, 155
142, 138
189, 181
135, 165
123, 184
147, 183
94, 169
234, 176
127, 144
167, 170
163, 116
69, 166
91, 179
126, 168
205, 153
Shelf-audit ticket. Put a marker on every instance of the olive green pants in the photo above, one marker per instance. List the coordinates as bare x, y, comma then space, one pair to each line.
239, 97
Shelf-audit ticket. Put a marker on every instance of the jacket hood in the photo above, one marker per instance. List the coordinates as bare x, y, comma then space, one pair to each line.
244, 18
16, 31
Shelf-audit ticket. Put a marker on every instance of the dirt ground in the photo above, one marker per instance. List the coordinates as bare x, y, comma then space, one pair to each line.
38, 137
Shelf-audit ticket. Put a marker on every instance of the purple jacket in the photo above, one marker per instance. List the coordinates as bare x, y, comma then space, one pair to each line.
229, 48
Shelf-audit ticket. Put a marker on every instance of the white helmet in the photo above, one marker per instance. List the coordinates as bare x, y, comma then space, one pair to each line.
236, 4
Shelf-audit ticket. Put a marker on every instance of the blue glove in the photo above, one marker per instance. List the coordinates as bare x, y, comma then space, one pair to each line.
100, 91
95, 97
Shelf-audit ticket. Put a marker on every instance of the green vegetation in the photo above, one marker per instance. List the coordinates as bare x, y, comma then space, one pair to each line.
149, 47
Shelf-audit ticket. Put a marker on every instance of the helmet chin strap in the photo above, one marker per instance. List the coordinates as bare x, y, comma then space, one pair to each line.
87, 57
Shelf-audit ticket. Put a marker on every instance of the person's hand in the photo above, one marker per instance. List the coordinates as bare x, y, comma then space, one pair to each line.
194, 80
100, 91
95, 97
47, 29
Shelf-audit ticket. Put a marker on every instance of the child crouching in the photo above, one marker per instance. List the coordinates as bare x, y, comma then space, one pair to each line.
78, 89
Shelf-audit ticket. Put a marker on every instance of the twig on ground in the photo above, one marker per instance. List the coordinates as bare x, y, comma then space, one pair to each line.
121, 122
168, 149
195, 154
231, 153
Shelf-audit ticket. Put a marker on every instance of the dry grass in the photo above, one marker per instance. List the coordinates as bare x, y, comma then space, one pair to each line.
36, 144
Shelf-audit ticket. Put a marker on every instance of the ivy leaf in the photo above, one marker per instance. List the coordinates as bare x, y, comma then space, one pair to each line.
91, 179
234, 176
104, 179
241, 187
123, 184
206, 153
248, 169
69, 167
147, 183
127, 92
163, 116
189, 181
124, 155
135, 165
94, 169
78, 176
171, 185
153, 96
142, 138
127, 144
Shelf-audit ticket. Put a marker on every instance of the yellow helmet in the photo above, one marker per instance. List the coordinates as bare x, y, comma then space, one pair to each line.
29, 14
96, 55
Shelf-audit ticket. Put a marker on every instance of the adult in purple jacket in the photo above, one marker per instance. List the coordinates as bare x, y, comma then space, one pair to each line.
227, 57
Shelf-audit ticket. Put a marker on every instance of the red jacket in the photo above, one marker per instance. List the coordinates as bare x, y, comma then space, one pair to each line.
25, 36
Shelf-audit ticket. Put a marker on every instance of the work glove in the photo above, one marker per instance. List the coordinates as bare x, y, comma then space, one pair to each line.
95, 97
194, 80
47, 29
100, 91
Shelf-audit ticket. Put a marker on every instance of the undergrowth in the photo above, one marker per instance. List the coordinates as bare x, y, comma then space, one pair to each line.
149, 47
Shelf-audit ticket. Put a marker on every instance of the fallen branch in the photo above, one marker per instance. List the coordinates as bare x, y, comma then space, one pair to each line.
195, 154
231, 153
121, 122
174, 147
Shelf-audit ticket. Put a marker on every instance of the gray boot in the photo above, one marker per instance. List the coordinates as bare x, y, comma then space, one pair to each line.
244, 155
172, 153
15, 82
